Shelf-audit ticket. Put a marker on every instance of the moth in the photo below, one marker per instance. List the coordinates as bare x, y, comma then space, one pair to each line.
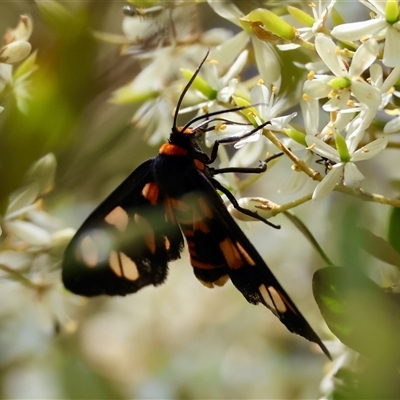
129, 239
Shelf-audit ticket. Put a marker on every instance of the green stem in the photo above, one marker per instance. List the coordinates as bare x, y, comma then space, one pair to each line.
298, 223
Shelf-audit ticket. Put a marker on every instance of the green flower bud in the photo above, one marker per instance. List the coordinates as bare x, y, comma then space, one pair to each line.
297, 136
301, 16
249, 112
339, 83
200, 84
272, 23
342, 149
392, 11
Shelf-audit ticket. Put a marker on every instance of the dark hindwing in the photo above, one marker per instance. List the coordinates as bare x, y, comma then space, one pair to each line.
126, 243
219, 249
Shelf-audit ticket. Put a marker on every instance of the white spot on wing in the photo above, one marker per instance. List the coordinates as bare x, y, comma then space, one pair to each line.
118, 217
273, 299
114, 263
123, 266
89, 251
129, 267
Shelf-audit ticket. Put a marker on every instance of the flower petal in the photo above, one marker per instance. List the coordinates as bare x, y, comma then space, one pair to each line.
352, 176
391, 79
226, 10
250, 154
15, 259
376, 75
316, 89
391, 54
297, 179
322, 148
392, 126
326, 49
289, 46
278, 123
261, 96
338, 102
327, 184
363, 58
250, 139
22, 198
366, 94
357, 30
15, 52
227, 52
310, 112
28, 232
370, 150
236, 67
377, 6
267, 62
356, 129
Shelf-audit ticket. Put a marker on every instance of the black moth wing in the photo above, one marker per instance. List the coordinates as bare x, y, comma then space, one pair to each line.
126, 243
219, 249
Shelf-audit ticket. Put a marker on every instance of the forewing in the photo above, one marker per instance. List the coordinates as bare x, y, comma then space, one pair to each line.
219, 249
126, 243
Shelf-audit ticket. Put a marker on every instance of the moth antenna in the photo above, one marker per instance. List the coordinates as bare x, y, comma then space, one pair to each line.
225, 120
187, 87
235, 139
219, 112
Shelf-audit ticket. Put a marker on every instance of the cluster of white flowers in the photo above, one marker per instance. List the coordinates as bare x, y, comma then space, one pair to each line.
15, 49
32, 243
351, 74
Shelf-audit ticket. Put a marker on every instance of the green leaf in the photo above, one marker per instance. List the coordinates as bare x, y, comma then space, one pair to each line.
394, 229
378, 247
359, 312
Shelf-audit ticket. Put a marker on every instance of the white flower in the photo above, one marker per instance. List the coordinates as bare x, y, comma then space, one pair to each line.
297, 179
383, 25
155, 117
266, 59
344, 158
344, 82
320, 15
15, 49
386, 87
23, 219
15, 41
218, 88
268, 108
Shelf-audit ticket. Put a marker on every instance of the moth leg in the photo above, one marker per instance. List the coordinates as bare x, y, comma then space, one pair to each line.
244, 170
235, 204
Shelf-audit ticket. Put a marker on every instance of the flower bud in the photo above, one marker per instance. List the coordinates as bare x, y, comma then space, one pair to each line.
200, 84
271, 22
263, 207
15, 52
